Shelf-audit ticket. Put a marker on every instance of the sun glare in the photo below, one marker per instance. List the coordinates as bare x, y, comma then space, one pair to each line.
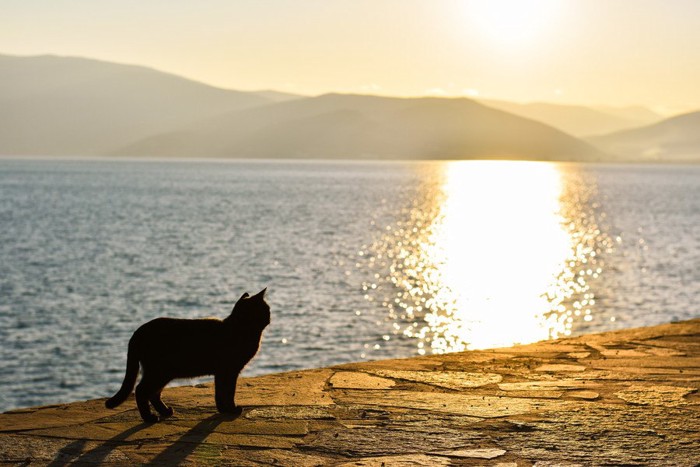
512, 22
497, 253
500, 244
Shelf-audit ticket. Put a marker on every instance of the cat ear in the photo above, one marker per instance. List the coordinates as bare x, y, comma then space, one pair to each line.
261, 294
238, 303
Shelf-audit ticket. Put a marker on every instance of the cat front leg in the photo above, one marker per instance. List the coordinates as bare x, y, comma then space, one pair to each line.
225, 391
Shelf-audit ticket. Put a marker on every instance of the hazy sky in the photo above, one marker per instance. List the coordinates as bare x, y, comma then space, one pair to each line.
616, 52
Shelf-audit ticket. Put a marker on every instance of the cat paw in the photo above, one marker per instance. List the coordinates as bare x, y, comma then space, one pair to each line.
166, 412
150, 418
234, 411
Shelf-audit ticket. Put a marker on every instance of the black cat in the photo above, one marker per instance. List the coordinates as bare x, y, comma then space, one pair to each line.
169, 348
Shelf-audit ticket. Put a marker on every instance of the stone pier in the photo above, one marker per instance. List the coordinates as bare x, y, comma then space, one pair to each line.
627, 397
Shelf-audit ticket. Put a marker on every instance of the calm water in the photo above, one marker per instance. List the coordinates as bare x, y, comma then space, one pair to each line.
362, 260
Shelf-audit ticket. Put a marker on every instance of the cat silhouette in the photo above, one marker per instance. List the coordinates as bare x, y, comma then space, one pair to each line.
169, 348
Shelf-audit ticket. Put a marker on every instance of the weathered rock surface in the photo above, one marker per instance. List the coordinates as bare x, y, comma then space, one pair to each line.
628, 397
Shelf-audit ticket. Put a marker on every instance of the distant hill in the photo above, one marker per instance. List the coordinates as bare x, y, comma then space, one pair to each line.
277, 96
71, 106
674, 139
632, 113
359, 126
579, 120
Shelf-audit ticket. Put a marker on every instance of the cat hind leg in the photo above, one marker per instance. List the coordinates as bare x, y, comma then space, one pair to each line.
143, 393
165, 411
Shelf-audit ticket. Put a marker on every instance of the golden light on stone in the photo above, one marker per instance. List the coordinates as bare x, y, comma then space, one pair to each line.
496, 253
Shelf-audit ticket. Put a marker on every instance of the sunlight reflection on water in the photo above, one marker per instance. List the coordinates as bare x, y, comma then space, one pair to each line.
496, 253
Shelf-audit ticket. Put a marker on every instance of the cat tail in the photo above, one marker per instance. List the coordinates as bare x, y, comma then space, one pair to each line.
132, 371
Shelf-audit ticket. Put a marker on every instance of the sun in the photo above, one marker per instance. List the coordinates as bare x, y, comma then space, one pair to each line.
513, 22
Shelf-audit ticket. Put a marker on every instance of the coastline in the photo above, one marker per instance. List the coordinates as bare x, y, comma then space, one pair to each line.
621, 397
340, 160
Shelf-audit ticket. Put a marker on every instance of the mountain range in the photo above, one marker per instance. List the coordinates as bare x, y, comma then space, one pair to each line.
674, 139
578, 120
368, 127
70, 106
73, 106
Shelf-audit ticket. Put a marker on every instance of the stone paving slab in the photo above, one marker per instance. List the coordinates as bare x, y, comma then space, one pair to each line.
627, 397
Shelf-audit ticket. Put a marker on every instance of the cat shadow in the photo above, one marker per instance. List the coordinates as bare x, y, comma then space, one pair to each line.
174, 454
180, 449
71, 454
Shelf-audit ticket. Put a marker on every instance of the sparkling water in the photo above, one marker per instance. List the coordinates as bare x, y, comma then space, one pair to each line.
362, 260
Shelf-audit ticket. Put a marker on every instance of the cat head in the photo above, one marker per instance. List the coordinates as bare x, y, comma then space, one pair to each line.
251, 311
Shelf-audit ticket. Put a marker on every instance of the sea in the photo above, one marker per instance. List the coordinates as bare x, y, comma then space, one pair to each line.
361, 260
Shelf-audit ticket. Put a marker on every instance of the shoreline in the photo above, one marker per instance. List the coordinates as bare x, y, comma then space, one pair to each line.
620, 397
302, 160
